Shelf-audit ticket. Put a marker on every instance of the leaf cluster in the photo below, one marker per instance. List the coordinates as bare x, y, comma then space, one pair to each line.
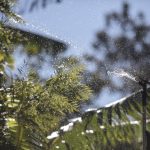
34, 109
115, 126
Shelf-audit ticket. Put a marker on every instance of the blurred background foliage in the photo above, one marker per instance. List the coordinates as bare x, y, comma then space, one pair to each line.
124, 43
43, 3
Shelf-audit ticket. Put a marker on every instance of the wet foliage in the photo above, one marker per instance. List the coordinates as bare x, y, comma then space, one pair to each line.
31, 109
115, 126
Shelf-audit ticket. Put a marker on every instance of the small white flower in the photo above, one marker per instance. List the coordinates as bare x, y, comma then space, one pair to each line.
89, 131
63, 141
57, 147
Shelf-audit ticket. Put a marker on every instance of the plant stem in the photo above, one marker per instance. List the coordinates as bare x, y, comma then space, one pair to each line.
144, 95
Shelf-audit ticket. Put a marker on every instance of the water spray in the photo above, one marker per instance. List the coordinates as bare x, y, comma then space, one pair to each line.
42, 29
143, 83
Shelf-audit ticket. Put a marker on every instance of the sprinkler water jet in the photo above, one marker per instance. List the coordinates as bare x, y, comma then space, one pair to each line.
143, 83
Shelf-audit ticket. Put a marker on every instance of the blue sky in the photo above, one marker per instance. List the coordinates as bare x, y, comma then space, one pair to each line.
77, 21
